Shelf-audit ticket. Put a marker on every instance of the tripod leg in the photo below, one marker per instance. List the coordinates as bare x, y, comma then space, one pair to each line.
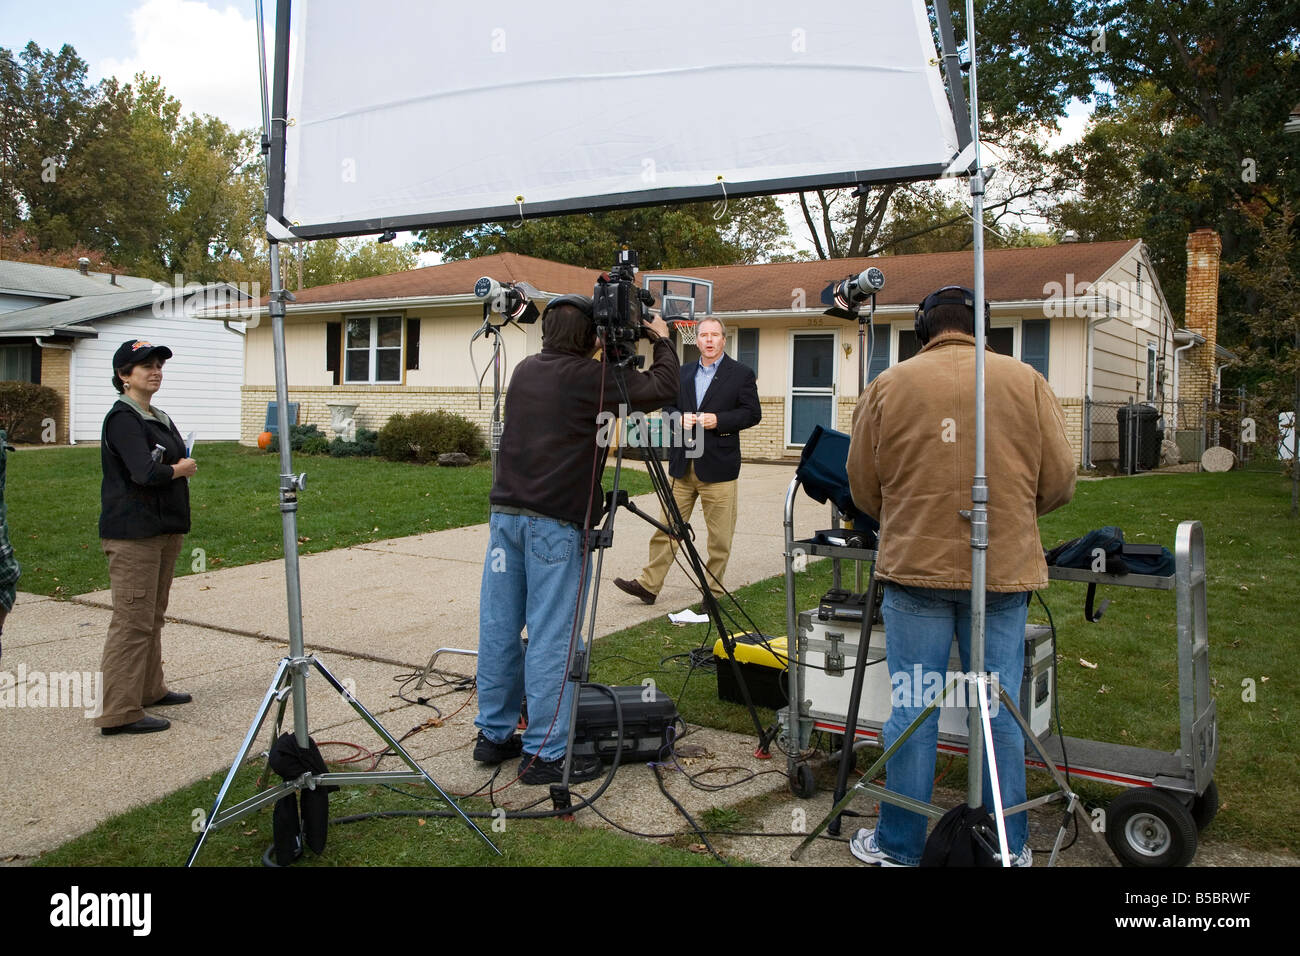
281, 675
282, 695
855, 697
875, 768
388, 738
1075, 805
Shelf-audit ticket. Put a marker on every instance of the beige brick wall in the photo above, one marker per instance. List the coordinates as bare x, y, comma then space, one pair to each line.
55, 374
1073, 408
767, 438
375, 405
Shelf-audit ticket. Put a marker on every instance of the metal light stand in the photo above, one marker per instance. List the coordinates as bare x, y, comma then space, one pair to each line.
291, 674
494, 331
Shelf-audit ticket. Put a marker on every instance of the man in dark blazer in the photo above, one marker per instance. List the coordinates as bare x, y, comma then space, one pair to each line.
718, 398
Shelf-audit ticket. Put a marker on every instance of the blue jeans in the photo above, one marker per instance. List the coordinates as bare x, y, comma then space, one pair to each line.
919, 627
530, 576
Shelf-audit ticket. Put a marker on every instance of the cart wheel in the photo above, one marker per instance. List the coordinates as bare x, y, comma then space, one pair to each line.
802, 783
1206, 806
1149, 828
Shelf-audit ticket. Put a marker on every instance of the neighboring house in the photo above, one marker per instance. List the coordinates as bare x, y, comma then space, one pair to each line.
60, 328
1090, 317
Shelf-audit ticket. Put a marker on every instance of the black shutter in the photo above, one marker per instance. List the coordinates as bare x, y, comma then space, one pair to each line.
333, 345
878, 342
747, 348
1035, 339
412, 343
36, 364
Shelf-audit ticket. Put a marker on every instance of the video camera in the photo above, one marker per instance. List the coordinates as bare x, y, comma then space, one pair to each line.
618, 307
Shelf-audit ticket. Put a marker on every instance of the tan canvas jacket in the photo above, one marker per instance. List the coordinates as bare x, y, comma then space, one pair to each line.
912, 462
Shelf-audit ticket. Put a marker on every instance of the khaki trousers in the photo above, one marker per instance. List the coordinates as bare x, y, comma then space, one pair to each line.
140, 571
718, 499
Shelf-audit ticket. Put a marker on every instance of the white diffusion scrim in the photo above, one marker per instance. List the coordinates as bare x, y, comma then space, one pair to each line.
433, 110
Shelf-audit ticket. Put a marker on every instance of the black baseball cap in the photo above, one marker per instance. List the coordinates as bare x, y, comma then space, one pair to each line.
135, 351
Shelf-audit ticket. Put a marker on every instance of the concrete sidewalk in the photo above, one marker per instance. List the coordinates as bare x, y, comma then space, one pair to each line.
371, 613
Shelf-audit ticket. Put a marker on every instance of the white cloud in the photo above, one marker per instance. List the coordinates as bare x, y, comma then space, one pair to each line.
206, 58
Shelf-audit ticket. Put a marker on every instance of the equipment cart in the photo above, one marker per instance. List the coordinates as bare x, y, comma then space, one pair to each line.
1172, 795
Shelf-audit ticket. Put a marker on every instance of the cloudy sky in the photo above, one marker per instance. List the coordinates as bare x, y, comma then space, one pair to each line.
204, 52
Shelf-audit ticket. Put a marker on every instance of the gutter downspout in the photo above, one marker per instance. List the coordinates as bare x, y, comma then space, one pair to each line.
1177, 377
1087, 390
72, 360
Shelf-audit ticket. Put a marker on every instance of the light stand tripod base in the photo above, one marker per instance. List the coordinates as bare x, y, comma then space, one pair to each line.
218, 818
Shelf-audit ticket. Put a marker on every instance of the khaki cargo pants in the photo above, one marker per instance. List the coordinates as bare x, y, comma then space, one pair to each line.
140, 571
719, 500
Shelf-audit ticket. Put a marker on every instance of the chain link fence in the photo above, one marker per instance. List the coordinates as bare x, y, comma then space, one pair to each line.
1130, 437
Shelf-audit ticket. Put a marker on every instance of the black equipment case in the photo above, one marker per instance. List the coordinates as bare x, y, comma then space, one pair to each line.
648, 717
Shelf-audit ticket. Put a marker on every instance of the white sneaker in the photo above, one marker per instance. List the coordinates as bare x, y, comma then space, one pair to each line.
863, 845
1025, 857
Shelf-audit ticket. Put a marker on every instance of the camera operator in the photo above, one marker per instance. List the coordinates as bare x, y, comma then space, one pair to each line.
537, 568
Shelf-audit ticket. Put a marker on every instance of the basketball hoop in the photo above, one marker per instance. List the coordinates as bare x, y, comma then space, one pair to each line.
686, 328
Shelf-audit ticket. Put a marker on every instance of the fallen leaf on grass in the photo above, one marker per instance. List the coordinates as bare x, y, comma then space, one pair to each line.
1087, 663
699, 848
1103, 689
420, 821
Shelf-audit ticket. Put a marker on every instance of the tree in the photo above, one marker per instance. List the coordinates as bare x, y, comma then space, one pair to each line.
1270, 352
326, 261
1219, 76
665, 237
45, 106
114, 168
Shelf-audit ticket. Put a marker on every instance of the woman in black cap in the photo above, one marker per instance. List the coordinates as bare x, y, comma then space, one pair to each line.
145, 514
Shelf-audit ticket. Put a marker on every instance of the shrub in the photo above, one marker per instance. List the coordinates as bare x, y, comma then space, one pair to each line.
423, 436
299, 437
23, 406
366, 445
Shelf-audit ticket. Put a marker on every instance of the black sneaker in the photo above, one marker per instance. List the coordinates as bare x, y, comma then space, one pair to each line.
535, 770
489, 751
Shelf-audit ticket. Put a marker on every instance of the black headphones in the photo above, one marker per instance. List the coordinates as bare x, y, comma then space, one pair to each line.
948, 295
580, 302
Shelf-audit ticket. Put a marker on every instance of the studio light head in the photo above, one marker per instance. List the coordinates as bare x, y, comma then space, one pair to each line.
511, 300
845, 296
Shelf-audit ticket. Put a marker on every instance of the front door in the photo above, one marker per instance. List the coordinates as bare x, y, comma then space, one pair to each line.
812, 385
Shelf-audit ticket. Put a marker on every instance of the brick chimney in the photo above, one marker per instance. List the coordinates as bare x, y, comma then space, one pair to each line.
1201, 315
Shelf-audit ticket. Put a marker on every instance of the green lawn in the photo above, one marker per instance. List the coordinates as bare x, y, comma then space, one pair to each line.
1251, 551
53, 499
161, 834
1132, 695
